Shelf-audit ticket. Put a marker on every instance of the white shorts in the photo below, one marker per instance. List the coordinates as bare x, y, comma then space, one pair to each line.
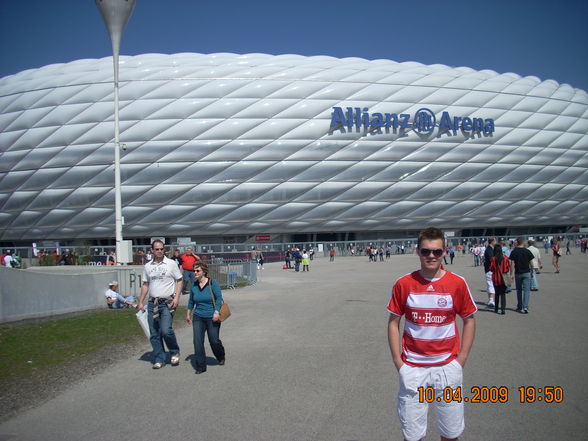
489, 284
413, 413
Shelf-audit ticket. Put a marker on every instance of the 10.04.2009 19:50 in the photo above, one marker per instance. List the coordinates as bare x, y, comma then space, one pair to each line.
492, 394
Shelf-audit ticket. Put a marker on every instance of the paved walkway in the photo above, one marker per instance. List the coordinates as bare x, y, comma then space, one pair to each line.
308, 360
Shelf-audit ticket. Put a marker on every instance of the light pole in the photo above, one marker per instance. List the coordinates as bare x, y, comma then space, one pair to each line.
116, 14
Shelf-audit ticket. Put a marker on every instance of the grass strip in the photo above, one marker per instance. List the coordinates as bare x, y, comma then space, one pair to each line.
29, 349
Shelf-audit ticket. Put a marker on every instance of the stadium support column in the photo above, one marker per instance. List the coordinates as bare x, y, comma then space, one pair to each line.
116, 14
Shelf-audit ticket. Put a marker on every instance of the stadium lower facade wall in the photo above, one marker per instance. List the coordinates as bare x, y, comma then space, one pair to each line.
239, 145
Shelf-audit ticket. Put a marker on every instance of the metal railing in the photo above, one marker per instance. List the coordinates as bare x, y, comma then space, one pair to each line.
97, 255
234, 273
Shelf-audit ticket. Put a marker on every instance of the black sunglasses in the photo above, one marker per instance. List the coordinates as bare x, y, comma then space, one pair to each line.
425, 252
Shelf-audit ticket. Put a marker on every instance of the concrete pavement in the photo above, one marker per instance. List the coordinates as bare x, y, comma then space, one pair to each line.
308, 360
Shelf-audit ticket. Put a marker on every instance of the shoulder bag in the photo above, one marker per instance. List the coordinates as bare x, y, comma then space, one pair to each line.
504, 269
225, 311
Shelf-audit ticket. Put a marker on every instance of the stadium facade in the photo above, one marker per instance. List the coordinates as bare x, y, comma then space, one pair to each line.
233, 145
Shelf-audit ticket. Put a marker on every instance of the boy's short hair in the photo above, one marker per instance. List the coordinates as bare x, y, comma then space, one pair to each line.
431, 233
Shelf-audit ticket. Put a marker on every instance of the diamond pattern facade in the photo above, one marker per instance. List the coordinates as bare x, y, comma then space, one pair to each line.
242, 144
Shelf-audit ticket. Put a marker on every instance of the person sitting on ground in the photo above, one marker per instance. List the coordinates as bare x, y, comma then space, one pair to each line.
115, 300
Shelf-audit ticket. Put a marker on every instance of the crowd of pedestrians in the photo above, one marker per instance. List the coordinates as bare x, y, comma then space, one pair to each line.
515, 266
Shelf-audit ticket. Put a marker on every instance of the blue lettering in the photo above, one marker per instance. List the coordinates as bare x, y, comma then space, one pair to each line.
423, 123
377, 120
489, 126
445, 122
391, 120
337, 118
366, 118
466, 124
456, 120
349, 117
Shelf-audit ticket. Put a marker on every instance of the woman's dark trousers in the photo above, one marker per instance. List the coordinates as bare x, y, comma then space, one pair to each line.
200, 326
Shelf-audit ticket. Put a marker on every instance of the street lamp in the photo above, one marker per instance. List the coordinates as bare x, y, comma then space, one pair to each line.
116, 14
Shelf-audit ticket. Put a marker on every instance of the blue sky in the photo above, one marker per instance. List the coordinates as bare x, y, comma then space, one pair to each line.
546, 39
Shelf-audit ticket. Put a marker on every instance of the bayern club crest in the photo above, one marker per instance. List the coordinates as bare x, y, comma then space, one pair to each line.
442, 302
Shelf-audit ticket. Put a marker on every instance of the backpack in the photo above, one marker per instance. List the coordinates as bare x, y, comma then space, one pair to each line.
498, 270
2, 261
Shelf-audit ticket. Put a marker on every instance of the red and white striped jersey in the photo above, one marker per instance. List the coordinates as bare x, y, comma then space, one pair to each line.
431, 336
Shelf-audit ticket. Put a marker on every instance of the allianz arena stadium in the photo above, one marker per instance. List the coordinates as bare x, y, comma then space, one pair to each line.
238, 145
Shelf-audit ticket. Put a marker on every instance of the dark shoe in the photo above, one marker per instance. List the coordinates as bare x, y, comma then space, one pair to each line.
221, 362
502, 312
198, 371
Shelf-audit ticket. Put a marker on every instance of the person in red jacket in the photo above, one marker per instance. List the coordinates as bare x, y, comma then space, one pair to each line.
188, 261
500, 267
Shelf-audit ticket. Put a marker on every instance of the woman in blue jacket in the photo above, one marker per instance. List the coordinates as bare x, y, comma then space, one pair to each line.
203, 314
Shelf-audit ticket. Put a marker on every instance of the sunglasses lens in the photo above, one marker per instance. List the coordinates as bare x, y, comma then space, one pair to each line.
425, 252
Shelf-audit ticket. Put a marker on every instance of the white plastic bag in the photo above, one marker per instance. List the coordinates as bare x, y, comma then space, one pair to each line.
142, 319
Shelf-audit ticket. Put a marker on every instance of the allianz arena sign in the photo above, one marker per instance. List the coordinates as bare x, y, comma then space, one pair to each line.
423, 122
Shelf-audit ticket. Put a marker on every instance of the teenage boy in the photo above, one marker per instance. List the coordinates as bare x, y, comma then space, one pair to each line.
430, 356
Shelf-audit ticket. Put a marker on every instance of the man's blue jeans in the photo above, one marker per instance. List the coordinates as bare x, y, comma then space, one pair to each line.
161, 330
535, 280
200, 326
523, 282
121, 302
188, 275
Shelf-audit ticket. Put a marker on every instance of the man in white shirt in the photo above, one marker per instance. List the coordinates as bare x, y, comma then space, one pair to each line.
162, 279
8, 259
537, 265
115, 300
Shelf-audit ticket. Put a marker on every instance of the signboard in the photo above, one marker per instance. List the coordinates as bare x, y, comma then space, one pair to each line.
263, 238
424, 122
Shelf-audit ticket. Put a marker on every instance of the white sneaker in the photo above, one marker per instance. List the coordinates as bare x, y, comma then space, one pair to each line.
490, 304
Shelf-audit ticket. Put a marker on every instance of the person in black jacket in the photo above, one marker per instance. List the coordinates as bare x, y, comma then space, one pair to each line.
520, 271
488, 254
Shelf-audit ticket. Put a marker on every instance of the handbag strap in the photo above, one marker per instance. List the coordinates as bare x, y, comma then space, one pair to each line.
211, 293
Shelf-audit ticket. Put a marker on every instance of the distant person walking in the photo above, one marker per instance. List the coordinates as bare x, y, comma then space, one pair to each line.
305, 261
520, 271
188, 260
537, 265
177, 257
556, 249
488, 253
500, 267
162, 280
